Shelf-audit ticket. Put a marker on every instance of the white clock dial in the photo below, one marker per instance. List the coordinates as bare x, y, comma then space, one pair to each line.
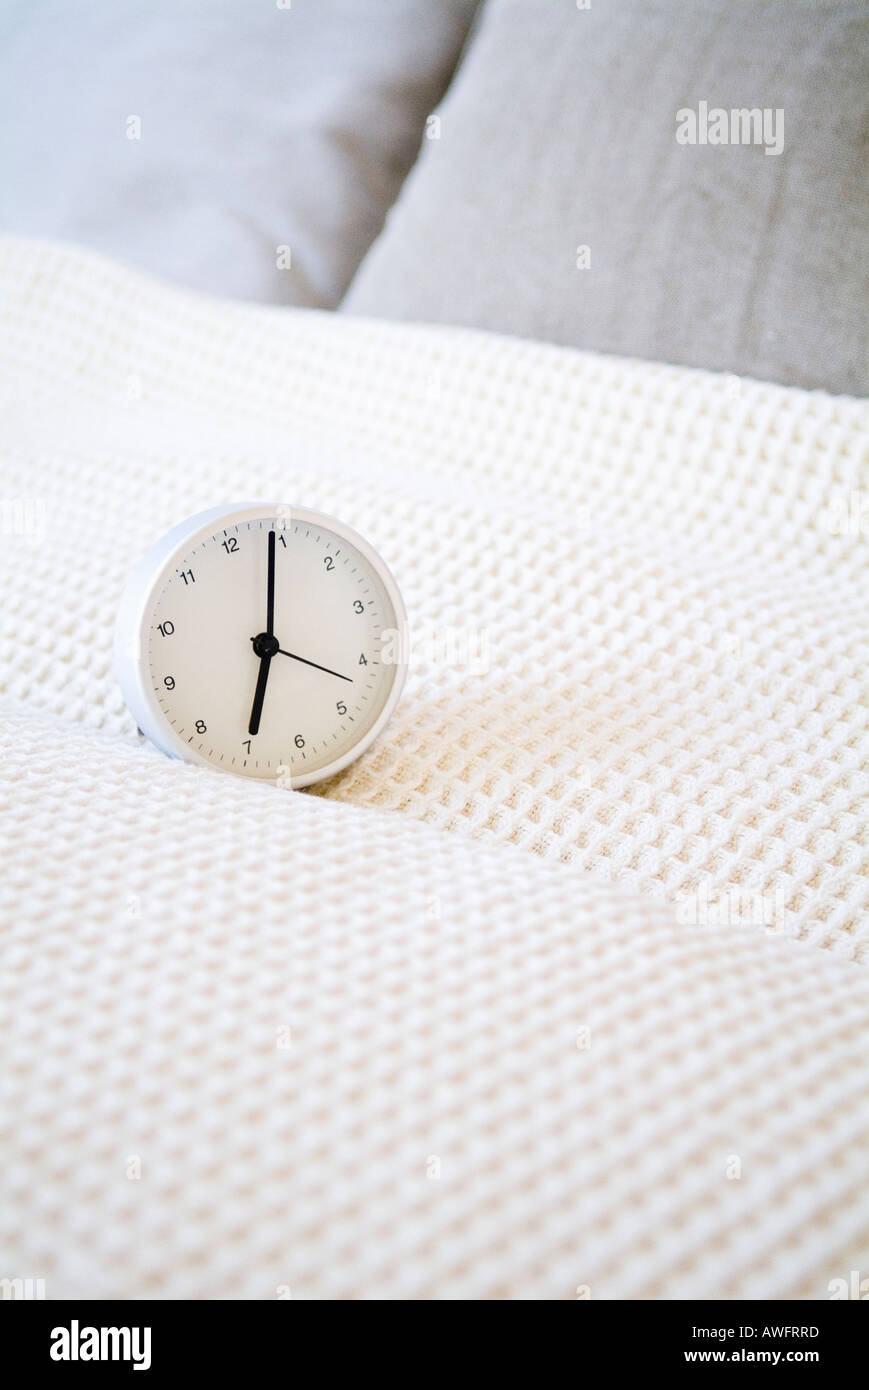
264, 641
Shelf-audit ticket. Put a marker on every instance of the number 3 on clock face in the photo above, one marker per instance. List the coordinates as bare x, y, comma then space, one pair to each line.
264, 640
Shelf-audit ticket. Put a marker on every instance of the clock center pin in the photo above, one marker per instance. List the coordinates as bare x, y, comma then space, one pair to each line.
265, 644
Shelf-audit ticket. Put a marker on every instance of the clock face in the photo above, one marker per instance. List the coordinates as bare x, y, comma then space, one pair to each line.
271, 645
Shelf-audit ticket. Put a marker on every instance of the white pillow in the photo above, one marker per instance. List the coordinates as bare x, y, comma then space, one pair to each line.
196, 140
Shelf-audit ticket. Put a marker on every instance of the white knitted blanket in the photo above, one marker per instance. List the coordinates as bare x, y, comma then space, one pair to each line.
557, 993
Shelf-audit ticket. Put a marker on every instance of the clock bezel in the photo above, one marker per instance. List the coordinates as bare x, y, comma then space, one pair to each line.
132, 634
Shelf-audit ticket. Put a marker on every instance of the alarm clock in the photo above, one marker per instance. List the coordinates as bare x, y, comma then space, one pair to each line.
262, 639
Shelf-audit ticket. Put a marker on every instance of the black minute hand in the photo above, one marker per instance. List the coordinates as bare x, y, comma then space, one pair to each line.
266, 644
270, 587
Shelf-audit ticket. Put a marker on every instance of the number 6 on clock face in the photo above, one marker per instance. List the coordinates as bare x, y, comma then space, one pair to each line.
264, 640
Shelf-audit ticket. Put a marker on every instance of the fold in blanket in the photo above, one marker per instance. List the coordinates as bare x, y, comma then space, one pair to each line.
418, 1066
638, 592
439, 1057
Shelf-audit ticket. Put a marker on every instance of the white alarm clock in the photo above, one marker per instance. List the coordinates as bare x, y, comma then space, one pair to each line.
264, 640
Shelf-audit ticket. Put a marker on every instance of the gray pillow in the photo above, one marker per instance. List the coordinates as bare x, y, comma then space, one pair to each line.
564, 200
245, 149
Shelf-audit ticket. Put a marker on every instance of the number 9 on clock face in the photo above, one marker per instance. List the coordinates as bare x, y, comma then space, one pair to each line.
268, 641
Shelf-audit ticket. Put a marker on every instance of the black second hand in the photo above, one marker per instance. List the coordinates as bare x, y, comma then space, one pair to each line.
292, 655
279, 651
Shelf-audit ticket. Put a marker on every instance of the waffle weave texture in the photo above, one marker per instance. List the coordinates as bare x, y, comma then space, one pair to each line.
438, 1058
